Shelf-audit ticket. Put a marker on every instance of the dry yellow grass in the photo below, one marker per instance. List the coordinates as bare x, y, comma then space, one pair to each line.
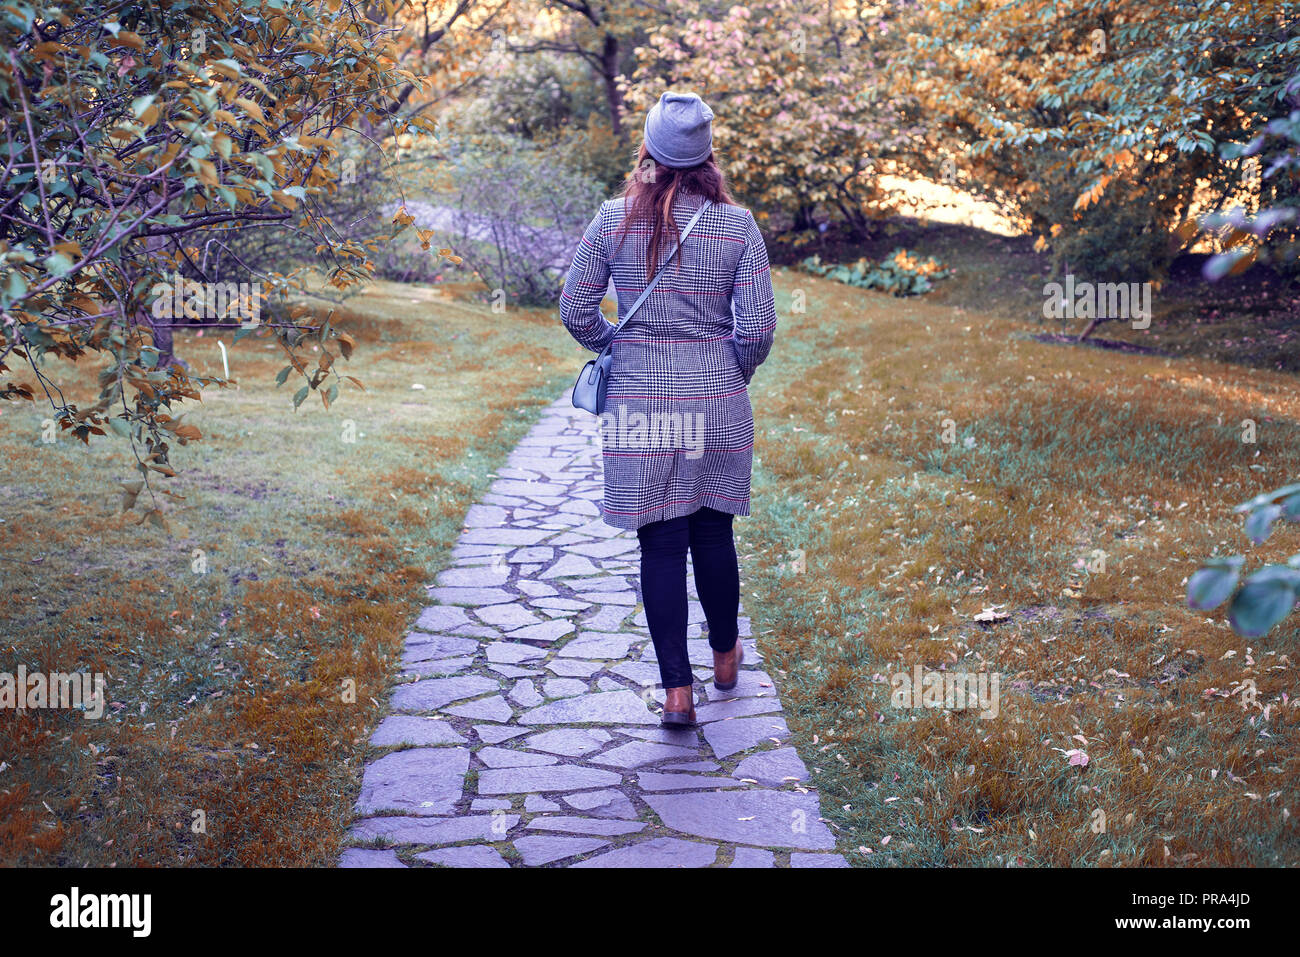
1073, 453
227, 686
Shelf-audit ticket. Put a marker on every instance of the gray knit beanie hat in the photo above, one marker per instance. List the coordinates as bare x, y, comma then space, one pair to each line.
679, 131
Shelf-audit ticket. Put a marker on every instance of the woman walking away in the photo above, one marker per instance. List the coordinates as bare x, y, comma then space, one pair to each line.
677, 427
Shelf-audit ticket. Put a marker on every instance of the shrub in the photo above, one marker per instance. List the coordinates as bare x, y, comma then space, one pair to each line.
901, 273
1112, 124
518, 214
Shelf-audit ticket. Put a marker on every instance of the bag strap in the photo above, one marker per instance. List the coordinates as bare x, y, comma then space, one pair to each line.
660, 271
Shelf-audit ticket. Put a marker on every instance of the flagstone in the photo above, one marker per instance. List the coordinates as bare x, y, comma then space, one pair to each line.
510, 671
564, 687
441, 618
595, 644
546, 631
570, 565
537, 553
506, 758
585, 825
479, 576
778, 767
579, 506
425, 647
538, 849
641, 672
433, 693
560, 777
753, 857
524, 693
660, 852
750, 682
514, 615
403, 829
572, 667
485, 516
420, 781
611, 546
439, 668
478, 631
753, 816
740, 734
603, 707
535, 588
366, 857
470, 855
660, 781
608, 597
399, 729
607, 618
681, 737
691, 766
636, 753
495, 733
571, 742
471, 596
491, 709
560, 604
505, 536
512, 652
736, 708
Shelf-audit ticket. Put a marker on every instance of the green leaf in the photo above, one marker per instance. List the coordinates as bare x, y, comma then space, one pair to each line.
1259, 524
1267, 597
58, 265
17, 285
142, 103
300, 397
1265, 498
282, 375
1211, 585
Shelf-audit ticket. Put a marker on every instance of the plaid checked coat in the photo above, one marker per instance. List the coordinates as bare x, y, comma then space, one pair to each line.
678, 429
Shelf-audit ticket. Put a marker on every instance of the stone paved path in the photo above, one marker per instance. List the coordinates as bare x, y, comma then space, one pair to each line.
526, 729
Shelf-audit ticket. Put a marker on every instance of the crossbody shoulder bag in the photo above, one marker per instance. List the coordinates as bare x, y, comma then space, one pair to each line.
593, 380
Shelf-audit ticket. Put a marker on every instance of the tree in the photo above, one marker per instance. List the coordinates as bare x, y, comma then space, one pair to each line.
141, 143
803, 118
599, 32
1110, 124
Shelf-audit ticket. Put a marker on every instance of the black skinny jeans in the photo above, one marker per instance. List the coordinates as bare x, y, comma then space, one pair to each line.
707, 533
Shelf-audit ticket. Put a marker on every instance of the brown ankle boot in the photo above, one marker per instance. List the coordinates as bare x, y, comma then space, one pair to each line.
679, 707
726, 667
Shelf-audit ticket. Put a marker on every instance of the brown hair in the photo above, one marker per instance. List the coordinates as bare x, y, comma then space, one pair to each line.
649, 193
